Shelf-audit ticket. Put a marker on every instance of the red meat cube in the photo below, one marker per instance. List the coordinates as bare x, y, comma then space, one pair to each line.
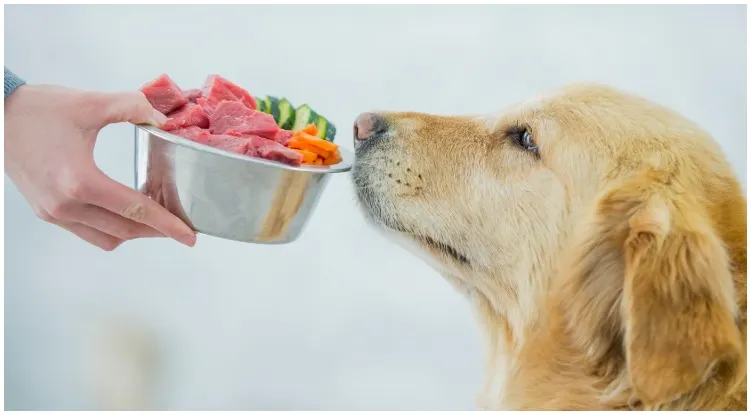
208, 107
188, 116
271, 150
203, 137
234, 144
164, 94
190, 133
233, 116
217, 89
283, 136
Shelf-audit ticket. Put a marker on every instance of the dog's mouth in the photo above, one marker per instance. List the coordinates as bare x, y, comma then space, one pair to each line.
428, 241
375, 207
445, 249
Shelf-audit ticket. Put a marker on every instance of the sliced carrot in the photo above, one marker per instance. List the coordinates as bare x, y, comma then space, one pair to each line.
307, 156
333, 159
323, 154
310, 129
299, 145
315, 141
319, 161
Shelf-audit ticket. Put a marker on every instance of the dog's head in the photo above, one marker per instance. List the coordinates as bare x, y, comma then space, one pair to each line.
614, 213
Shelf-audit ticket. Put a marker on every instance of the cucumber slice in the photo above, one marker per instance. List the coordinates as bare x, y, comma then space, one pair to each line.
330, 132
326, 129
304, 115
267, 105
273, 107
261, 101
322, 123
286, 114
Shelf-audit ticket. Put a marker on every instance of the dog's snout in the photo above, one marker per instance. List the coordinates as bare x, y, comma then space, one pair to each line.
368, 125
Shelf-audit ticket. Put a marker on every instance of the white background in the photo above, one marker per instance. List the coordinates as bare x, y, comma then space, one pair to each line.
342, 319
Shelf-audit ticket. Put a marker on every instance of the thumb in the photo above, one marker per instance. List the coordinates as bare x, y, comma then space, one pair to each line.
132, 107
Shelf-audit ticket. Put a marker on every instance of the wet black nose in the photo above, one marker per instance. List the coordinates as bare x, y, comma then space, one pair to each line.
367, 125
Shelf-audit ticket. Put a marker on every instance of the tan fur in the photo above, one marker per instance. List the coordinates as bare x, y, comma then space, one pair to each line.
609, 273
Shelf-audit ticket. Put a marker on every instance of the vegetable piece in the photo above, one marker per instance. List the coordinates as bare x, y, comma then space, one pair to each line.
333, 159
261, 104
310, 129
326, 129
304, 115
330, 132
315, 141
272, 105
307, 156
299, 145
322, 125
286, 114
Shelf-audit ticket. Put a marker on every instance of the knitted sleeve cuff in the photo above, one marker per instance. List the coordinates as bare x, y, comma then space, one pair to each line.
12, 82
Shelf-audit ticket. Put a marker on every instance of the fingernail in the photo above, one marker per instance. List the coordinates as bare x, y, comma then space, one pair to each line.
157, 118
188, 239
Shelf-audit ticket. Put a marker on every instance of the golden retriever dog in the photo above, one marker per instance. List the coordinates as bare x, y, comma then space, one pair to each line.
601, 238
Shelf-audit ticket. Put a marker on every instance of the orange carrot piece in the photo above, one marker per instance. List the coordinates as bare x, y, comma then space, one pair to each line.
318, 161
307, 156
323, 154
333, 159
318, 142
310, 129
299, 145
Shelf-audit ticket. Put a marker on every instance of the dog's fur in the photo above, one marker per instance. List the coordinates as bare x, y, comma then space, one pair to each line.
608, 270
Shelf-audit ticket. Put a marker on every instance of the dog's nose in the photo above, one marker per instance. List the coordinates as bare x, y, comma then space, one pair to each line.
367, 125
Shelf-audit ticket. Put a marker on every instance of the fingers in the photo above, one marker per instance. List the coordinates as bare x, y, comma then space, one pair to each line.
129, 208
111, 223
131, 107
135, 206
91, 235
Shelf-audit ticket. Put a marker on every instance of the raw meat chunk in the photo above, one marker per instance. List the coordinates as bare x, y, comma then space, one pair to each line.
217, 89
233, 144
164, 94
235, 117
208, 107
188, 116
271, 150
190, 133
283, 136
223, 142
250, 145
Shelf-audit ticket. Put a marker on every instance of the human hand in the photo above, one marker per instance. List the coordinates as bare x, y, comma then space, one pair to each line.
50, 133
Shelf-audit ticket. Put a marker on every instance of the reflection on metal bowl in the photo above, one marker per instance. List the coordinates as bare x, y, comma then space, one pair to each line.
228, 195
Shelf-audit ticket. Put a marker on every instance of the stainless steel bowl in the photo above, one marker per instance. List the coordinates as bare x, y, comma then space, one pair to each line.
228, 195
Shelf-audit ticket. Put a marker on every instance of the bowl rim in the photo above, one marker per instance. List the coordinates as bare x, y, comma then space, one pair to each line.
342, 166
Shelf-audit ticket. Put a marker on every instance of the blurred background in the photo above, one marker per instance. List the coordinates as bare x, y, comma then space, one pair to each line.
342, 319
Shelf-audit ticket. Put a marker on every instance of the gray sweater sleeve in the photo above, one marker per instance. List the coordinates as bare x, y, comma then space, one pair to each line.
11, 82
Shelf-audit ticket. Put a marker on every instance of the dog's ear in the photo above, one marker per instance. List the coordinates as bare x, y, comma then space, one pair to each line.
655, 287
678, 308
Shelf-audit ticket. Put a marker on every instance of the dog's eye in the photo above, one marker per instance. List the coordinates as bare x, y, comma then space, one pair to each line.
524, 138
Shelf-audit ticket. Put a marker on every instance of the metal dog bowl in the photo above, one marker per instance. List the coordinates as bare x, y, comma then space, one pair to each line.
228, 195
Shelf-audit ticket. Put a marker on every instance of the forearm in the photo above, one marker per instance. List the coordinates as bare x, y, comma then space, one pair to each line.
12, 82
